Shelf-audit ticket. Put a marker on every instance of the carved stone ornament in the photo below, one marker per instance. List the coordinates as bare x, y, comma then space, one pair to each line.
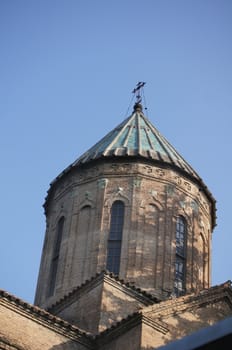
101, 183
88, 195
178, 180
121, 167
187, 185
170, 189
183, 204
148, 169
119, 190
194, 206
160, 172
201, 223
137, 182
154, 194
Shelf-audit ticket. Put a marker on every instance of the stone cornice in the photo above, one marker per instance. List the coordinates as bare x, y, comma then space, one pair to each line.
145, 316
192, 301
6, 345
45, 319
131, 160
123, 326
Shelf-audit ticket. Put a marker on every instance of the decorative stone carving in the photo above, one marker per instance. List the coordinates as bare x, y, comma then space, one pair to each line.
181, 182
183, 204
121, 167
201, 223
88, 195
119, 191
178, 180
194, 206
187, 185
148, 169
137, 182
160, 172
170, 189
154, 194
101, 183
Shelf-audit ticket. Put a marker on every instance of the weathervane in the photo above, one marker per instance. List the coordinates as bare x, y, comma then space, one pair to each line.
137, 91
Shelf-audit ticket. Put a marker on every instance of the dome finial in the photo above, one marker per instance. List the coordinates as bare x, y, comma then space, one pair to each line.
138, 106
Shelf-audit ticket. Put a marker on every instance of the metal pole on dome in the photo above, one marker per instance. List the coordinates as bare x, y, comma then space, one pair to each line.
137, 93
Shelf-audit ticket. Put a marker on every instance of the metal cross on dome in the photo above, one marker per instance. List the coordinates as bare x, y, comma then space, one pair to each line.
137, 91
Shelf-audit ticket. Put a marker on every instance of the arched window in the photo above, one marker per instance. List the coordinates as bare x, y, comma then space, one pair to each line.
201, 259
83, 239
55, 256
180, 263
115, 237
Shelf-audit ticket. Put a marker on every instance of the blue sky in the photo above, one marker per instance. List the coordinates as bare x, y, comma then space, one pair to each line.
67, 69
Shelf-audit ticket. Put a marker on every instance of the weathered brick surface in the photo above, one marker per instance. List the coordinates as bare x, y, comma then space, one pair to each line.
100, 303
116, 314
182, 316
131, 340
23, 326
84, 308
153, 198
22, 330
167, 321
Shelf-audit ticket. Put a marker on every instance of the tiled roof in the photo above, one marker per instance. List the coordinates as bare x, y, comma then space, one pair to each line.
43, 315
136, 137
190, 301
177, 305
148, 298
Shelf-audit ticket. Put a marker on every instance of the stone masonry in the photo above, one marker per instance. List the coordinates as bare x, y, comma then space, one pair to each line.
154, 196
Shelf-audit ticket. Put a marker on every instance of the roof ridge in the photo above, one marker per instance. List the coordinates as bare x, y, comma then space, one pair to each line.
188, 298
44, 314
74, 290
118, 127
118, 323
137, 315
132, 286
102, 274
117, 137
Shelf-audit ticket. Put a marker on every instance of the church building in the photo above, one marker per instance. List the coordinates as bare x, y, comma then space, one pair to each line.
126, 261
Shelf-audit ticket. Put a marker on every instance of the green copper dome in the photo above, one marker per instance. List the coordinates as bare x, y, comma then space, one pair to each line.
136, 137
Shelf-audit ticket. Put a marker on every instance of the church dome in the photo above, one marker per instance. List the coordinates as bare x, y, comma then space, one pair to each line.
133, 206
136, 138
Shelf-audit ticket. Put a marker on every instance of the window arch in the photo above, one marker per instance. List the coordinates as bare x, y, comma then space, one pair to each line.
84, 220
115, 237
55, 256
180, 261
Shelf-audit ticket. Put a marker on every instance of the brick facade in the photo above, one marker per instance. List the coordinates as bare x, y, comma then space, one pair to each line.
153, 196
138, 308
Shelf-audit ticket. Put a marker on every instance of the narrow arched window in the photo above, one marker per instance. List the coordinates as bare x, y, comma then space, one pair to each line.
180, 262
201, 259
83, 240
115, 237
55, 256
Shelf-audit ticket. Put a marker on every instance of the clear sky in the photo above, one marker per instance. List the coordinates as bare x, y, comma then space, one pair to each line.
67, 69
